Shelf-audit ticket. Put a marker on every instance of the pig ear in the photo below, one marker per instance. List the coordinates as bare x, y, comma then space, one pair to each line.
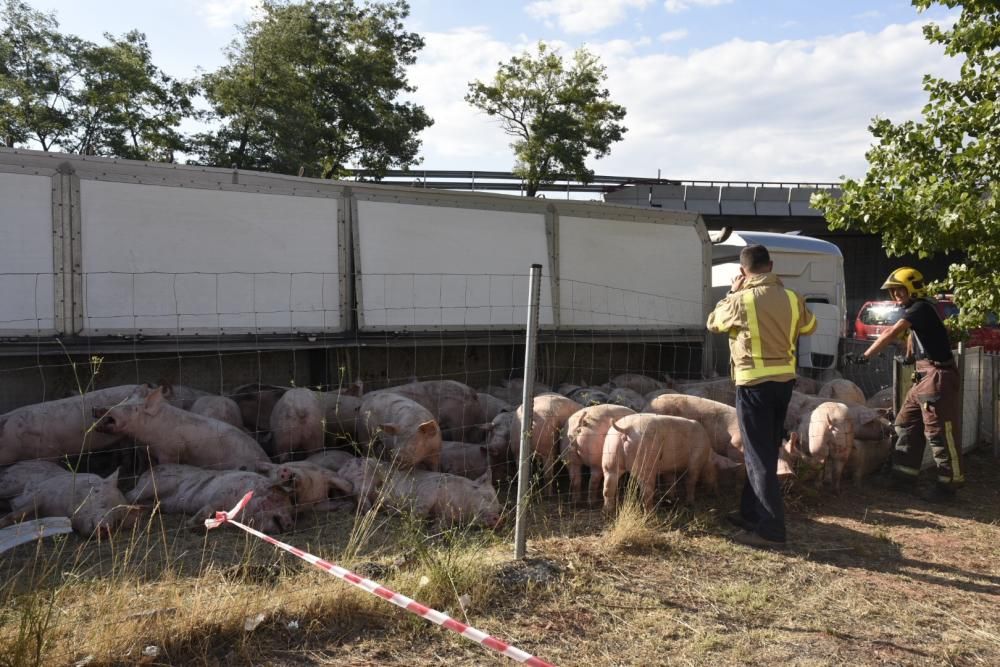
793, 442
390, 428
486, 479
584, 421
113, 477
154, 401
265, 466
166, 388
428, 428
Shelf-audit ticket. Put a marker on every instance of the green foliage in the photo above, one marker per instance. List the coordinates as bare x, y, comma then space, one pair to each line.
558, 115
314, 86
60, 92
934, 185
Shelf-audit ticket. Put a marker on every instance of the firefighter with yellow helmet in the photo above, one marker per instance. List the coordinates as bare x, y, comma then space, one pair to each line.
931, 409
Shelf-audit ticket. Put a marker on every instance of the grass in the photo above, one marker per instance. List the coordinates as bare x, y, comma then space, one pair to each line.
870, 577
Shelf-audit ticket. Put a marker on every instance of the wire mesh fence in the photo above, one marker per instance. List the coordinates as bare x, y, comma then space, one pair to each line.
285, 400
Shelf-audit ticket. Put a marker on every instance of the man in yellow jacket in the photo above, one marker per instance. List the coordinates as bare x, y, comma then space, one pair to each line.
763, 320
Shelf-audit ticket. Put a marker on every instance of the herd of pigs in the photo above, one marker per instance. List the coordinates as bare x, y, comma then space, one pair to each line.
437, 448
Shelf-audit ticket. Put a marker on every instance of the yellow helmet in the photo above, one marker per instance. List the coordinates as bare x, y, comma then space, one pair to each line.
909, 278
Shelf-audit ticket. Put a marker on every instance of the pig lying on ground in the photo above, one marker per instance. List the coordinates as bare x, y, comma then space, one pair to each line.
408, 432
843, 391
296, 424
464, 459
645, 445
583, 445
331, 459
449, 499
641, 384
39, 489
824, 442
182, 489
55, 429
867, 458
177, 436
628, 398
314, 488
718, 419
587, 395
453, 405
219, 407
549, 416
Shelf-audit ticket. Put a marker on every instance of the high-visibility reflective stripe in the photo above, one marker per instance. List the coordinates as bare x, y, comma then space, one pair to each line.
906, 470
956, 470
754, 325
763, 372
793, 303
809, 328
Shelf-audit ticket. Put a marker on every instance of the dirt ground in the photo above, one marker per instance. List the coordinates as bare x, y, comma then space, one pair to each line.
873, 577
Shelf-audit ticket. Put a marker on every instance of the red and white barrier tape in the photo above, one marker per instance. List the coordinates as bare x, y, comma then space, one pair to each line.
370, 586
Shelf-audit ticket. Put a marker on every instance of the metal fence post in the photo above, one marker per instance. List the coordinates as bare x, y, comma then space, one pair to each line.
527, 405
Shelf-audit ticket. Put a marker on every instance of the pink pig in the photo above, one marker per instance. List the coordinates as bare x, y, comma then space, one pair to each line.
182, 489
583, 445
646, 445
408, 432
44, 489
296, 424
177, 436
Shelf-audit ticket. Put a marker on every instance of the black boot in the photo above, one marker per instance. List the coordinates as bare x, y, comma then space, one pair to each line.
939, 494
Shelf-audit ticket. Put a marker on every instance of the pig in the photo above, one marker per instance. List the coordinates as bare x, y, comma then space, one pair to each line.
449, 499
177, 436
183, 489
341, 416
881, 400
721, 390
408, 432
627, 397
492, 406
867, 457
41, 489
464, 459
824, 441
645, 445
56, 429
583, 445
658, 392
806, 385
296, 424
517, 387
331, 459
869, 424
453, 405
181, 396
219, 407
843, 391
313, 487
498, 451
718, 419
641, 384
549, 416
729, 472
588, 395
256, 403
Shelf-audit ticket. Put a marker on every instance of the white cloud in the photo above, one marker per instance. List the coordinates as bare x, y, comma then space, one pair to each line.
583, 16
225, 13
672, 35
789, 110
675, 6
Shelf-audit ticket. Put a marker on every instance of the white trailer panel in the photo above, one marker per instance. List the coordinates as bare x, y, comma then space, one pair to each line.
424, 266
631, 274
177, 260
27, 290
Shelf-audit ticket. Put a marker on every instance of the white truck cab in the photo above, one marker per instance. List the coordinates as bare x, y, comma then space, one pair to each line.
812, 267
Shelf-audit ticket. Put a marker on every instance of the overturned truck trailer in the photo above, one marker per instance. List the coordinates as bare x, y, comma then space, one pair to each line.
118, 257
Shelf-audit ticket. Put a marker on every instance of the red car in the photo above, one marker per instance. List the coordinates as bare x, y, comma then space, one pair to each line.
877, 316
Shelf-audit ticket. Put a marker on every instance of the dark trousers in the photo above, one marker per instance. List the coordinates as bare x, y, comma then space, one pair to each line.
761, 409
930, 415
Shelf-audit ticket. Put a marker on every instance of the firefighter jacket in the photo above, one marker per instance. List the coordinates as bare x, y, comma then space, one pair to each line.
763, 320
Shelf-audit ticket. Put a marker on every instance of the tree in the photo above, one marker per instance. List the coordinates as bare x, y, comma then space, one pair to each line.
61, 92
38, 66
558, 115
934, 185
315, 86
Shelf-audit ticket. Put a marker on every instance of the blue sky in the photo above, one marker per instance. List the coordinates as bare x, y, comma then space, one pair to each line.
715, 89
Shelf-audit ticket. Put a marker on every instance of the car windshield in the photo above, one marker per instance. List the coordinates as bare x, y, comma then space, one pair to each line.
880, 314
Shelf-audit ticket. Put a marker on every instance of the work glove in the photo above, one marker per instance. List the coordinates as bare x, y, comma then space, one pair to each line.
855, 358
